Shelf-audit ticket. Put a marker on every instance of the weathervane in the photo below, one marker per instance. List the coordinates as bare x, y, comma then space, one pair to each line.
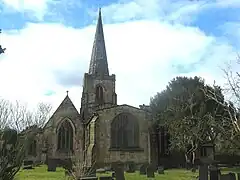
2, 50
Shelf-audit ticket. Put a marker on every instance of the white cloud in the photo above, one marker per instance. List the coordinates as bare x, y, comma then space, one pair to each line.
142, 58
140, 53
38, 7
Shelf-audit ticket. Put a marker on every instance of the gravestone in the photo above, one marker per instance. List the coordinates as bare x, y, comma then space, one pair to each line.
203, 172
105, 178
119, 171
52, 165
160, 170
150, 171
28, 164
101, 170
214, 173
131, 168
142, 169
230, 176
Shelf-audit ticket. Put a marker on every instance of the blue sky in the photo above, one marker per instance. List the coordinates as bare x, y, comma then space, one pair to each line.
148, 42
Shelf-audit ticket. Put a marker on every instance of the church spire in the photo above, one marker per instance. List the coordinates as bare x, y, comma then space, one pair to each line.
98, 63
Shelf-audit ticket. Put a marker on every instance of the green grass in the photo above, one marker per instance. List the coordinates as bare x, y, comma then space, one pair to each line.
41, 173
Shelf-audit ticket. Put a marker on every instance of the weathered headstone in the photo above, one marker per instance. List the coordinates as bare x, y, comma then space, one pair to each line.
230, 176
160, 170
52, 165
150, 171
214, 173
105, 178
142, 169
27, 164
203, 172
119, 172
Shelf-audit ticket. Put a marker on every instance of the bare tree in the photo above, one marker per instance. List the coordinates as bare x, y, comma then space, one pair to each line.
233, 80
5, 111
22, 117
42, 114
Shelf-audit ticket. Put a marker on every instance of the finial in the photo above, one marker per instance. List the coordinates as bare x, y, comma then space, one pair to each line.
67, 92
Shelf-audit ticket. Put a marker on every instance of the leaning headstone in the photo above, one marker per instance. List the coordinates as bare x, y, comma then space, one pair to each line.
160, 170
150, 171
142, 169
105, 178
203, 172
52, 165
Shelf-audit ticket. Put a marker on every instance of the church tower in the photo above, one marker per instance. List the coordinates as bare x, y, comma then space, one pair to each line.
98, 85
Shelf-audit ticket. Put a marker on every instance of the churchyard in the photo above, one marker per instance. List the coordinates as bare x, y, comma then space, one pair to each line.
41, 173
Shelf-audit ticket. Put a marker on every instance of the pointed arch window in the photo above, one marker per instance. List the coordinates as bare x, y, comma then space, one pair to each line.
124, 132
99, 95
65, 136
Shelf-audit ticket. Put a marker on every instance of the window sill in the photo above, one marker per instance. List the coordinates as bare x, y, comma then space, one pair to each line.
133, 149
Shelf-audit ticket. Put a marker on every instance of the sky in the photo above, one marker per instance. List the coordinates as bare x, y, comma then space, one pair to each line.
148, 43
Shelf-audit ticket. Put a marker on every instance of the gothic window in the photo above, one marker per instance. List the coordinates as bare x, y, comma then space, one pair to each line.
99, 95
32, 148
124, 132
65, 136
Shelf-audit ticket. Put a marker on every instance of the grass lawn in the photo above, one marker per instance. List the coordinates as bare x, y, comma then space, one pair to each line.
41, 173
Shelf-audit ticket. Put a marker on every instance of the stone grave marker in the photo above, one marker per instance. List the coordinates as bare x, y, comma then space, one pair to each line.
214, 173
28, 164
160, 170
52, 165
119, 171
142, 169
203, 172
150, 171
232, 176
229, 176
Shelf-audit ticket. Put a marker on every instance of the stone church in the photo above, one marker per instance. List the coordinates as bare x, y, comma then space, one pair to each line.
102, 132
